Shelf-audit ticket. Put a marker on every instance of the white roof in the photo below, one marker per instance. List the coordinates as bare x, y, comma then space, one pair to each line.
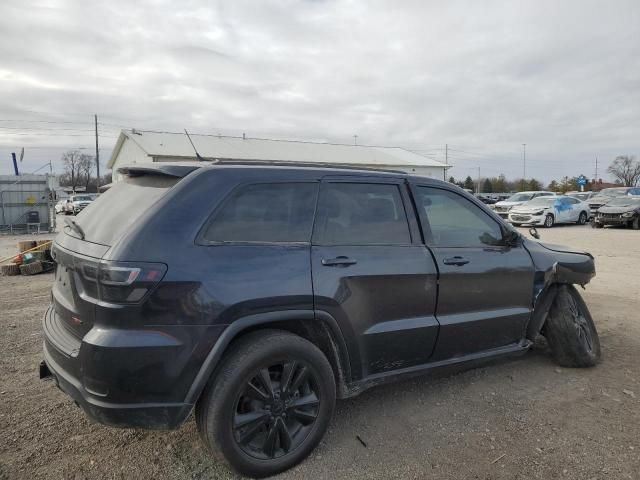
167, 144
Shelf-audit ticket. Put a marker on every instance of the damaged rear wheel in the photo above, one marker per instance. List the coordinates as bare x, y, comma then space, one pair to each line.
570, 331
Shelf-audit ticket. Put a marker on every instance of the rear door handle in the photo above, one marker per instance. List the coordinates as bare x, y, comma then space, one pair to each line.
457, 260
338, 261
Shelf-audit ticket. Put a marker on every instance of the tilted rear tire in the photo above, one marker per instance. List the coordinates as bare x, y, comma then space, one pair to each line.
269, 404
570, 331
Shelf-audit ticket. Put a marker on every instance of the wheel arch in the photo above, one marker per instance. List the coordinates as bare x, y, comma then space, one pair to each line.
323, 331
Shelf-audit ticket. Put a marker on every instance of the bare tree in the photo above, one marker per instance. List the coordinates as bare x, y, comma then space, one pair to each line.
626, 169
78, 168
87, 164
71, 161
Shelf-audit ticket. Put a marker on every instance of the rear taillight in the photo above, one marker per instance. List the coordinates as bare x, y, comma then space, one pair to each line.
119, 282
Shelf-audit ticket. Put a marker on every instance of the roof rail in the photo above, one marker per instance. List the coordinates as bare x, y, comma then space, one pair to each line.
284, 163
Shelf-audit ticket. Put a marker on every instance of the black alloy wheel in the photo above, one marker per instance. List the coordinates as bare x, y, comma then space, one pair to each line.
269, 403
276, 410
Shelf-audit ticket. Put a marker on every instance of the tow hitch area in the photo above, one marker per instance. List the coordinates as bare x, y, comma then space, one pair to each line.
45, 373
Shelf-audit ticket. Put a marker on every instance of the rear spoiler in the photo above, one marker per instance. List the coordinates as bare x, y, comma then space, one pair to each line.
177, 171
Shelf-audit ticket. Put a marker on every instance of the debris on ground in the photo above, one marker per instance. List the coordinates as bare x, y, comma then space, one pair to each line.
34, 256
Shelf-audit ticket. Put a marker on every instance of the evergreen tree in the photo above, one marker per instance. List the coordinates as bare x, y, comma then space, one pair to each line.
468, 183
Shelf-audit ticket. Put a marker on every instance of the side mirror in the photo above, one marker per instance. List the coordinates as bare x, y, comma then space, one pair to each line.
511, 237
533, 231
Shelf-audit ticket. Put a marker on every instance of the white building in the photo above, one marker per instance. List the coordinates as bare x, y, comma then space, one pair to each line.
139, 147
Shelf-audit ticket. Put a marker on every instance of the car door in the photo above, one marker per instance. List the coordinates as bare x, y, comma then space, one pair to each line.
485, 285
372, 273
574, 209
565, 210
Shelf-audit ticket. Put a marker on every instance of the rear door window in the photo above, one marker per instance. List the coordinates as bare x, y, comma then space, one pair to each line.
361, 214
265, 213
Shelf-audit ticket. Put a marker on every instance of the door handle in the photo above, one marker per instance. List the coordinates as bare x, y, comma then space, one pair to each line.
457, 260
338, 261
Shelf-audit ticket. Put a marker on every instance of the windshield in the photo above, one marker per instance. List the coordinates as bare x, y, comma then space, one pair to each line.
519, 197
620, 202
613, 192
541, 201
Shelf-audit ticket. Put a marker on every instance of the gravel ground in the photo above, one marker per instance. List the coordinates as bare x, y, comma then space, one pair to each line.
525, 418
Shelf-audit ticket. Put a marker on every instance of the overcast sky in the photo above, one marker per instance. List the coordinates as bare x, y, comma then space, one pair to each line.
484, 77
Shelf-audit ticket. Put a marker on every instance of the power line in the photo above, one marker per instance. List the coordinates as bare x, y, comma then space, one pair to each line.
55, 135
52, 147
42, 121
47, 129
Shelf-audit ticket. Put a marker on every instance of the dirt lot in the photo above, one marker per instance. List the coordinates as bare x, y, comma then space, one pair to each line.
521, 419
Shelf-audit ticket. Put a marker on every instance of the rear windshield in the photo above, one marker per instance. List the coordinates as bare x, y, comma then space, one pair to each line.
116, 210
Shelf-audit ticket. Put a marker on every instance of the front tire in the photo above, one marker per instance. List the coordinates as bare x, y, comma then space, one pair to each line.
549, 221
635, 224
270, 403
570, 331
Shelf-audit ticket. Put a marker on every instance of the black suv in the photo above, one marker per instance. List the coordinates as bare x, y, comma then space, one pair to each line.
256, 295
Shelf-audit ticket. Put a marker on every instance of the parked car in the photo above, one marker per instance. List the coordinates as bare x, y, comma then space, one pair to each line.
485, 198
503, 207
284, 288
61, 206
549, 210
77, 203
624, 210
606, 195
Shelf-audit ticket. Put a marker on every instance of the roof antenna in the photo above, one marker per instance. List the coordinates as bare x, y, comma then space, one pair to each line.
198, 156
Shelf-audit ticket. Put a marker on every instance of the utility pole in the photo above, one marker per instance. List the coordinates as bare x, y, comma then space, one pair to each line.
446, 160
595, 179
95, 117
524, 163
478, 185
355, 139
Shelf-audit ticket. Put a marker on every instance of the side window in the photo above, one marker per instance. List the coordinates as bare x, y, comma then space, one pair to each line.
361, 214
572, 201
450, 220
269, 212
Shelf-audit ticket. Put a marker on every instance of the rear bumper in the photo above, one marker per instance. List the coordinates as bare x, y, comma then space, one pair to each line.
130, 383
137, 415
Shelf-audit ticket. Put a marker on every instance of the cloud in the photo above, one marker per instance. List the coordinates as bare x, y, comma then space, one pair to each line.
483, 77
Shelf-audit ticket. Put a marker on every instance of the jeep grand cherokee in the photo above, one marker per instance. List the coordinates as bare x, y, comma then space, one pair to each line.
257, 295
